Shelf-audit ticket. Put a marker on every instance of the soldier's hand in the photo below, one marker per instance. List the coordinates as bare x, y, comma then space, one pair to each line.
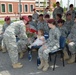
68, 40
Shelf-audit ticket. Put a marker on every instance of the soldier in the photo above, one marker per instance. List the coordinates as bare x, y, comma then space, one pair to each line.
58, 17
9, 38
63, 30
69, 22
51, 44
46, 12
47, 17
72, 44
6, 24
42, 24
31, 22
72, 11
57, 10
35, 15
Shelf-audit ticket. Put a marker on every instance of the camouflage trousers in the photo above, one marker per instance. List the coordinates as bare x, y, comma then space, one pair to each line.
11, 46
72, 47
44, 52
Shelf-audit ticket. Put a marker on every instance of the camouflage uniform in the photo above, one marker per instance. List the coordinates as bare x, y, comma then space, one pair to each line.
64, 31
73, 13
68, 25
9, 38
58, 10
35, 16
52, 43
43, 25
32, 23
46, 12
1, 36
72, 37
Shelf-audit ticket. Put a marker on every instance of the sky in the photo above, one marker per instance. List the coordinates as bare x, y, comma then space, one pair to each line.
66, 1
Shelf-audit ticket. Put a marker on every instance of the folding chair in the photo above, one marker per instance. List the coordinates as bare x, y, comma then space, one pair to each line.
62, 45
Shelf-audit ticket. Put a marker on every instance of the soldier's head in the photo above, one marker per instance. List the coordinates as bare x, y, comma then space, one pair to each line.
57, 4
58, 16
71, 7
7, 20
25, 19
40, 17
30, 18
68, 16
46, 17
51, 23
41, 32
34, 10
60, 23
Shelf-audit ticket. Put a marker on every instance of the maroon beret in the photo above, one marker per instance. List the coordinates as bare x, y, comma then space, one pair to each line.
6, 18
51, 21
25, 18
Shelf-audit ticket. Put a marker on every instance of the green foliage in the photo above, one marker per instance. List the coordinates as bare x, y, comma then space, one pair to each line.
44, 3
54, 5
1, 22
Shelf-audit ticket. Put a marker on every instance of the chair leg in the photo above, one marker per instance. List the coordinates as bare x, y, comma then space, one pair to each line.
75, 57
54, 62
50, 56
62, 55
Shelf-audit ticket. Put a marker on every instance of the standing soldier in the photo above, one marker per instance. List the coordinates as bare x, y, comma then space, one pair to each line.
9, 38
35, 15
72, 11
5, 25
57, 10
46, 12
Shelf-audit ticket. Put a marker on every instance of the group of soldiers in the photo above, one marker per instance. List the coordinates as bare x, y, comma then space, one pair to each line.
14, 36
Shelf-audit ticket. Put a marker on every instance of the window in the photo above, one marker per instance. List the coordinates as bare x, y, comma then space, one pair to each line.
2, 7
10, 8
25, 8
31, 8
19, 8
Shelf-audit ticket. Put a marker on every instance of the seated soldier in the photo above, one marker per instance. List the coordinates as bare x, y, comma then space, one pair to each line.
51, 44
72, 43
31, 22
62, 29
42, 24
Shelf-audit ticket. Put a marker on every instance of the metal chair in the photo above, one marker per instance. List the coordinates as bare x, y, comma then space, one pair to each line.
62, 45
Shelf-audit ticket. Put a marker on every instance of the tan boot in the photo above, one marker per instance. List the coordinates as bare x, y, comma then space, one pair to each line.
66, 56
0, 48
72, 59
21, 55
46, 66
42, 64
17, 65
4, 51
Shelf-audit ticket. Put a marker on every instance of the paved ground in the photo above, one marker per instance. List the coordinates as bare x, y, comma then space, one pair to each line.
30, 68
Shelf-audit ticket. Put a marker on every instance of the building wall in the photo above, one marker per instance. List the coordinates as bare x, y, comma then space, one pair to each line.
15, 8
41, 4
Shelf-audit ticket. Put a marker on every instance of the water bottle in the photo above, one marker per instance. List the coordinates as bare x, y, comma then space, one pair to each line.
38, 61
30, 56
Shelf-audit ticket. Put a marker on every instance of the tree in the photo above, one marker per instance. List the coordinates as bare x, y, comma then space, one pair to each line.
54, 5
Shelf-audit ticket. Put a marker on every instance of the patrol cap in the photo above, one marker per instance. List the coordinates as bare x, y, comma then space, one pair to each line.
6, 18
25, 18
